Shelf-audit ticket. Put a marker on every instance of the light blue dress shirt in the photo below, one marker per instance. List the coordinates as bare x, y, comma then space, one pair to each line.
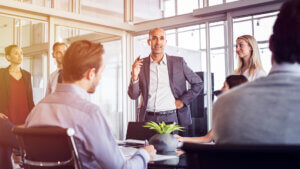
69, 107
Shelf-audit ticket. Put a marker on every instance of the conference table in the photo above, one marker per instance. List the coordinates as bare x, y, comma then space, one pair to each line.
173, 163
168, 160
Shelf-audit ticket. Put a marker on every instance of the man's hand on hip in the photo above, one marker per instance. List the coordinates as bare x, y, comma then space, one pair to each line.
179, 104
3, 116
136, 68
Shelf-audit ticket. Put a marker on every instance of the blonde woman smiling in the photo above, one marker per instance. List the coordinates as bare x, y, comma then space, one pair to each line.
249, 63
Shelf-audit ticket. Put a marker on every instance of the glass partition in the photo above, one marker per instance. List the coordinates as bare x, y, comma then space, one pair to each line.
113, 8
108, 95
32, 37
260, 26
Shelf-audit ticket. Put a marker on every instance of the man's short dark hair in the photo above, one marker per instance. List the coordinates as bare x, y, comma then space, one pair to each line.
285, 42
58, 44
81, 56
235, 80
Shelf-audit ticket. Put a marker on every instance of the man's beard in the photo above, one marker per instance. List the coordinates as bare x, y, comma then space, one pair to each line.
92, 89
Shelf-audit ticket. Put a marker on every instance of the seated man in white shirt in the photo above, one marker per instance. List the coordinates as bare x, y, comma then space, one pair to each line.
59, 50
69, 107
266, 111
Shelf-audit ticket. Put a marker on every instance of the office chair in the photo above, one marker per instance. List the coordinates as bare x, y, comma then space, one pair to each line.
48, 147
242, 156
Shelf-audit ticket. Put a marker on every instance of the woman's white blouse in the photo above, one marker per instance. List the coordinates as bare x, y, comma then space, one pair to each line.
257, 74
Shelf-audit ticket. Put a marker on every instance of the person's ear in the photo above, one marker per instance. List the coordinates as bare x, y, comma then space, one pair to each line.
271, 44
7, 57
149, 42
91, 73
53, 55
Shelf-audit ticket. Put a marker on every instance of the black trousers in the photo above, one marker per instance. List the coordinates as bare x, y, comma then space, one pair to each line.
172, 117
8, 141
163, 118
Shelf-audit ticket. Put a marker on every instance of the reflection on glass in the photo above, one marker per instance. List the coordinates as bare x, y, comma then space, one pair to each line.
231, 1
217, 35
188, 38
242, 28
94, 8
141, 47
262, 28
64, 5
169, 8
43, 3
217, 60
109, 91
184, 6
215, 2
145, 10
171, 37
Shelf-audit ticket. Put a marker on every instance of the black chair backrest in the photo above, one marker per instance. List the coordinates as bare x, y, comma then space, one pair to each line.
47, 147
242, 156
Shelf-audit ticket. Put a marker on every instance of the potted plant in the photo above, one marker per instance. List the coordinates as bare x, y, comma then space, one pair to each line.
164, 141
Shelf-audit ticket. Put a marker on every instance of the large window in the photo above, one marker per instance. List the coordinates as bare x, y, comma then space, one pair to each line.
32, 37
108, 95
179, 7
94, 8
259, 26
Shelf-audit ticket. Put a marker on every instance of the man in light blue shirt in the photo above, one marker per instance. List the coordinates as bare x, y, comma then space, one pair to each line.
267, 110
69, 107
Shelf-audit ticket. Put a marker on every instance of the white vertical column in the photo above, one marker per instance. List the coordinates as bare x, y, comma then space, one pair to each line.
129, 107
47, 62
230, 52
128, 11
208, 77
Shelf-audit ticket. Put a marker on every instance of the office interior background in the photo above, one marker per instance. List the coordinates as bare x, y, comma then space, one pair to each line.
203, 32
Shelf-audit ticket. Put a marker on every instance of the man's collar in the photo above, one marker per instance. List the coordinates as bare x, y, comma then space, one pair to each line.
73, 89
164, 59
291, 68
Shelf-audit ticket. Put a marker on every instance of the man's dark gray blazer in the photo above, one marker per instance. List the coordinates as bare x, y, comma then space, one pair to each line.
179, 73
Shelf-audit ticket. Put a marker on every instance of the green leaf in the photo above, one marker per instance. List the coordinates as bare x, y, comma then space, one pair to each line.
163, 128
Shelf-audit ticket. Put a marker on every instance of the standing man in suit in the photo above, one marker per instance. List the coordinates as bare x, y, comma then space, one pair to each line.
161, 79
59, 50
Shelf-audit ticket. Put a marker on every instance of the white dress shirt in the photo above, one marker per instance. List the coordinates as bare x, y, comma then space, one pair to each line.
160, 96
52, 82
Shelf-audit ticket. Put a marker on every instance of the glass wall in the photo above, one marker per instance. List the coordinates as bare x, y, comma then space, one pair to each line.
32, 37
179, 7
260, 26
112, 8
108, 95
145, 10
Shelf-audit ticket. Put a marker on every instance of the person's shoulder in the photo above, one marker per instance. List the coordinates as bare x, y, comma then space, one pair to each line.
2, 70
53, 75
236, 95
27, 75
260, 72
26, 72
175, 57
